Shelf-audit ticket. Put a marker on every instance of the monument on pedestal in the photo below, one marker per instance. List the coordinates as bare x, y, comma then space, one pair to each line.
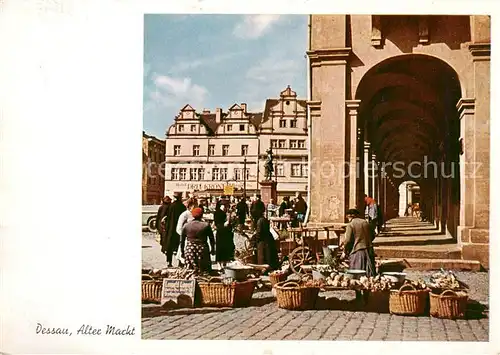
268, 185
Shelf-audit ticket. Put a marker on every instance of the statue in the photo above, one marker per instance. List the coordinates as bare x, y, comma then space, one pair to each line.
269, 164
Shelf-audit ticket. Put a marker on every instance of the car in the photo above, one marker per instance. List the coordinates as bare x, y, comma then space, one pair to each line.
149, 213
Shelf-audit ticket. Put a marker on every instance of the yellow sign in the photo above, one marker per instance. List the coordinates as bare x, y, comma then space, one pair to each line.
228, 190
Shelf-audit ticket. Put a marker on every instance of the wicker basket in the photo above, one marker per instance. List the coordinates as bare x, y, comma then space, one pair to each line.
408, 301
276, 277
291, 295
377, 301
218, 294
448, 305
151, 289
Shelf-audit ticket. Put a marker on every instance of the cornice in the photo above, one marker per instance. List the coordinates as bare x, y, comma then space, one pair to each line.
331, 56
480, 51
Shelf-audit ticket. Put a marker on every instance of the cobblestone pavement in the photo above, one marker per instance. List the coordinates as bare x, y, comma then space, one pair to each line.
264, 320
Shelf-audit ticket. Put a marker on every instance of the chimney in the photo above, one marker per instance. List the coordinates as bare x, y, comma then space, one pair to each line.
206, 111
244, 107
218, 115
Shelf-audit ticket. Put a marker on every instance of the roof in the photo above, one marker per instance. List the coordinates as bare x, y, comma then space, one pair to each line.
269, 103
209, 120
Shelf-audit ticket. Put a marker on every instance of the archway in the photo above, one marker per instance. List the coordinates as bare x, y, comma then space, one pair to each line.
409, 122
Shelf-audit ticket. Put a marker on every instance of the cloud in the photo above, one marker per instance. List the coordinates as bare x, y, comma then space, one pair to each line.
183, 65
176, 92
254, 26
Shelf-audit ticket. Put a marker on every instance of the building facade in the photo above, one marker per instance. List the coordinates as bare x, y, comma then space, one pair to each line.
206, 151
412, 90
153, 161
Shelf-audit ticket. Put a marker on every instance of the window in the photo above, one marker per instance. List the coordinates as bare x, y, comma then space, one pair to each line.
274, 143
279, 170
247, 173
282, 143
193, 128
225, 150
296, 170
215, 174
175, 174
293, 123
237, 174
177, 150
223, 173
193, 174
242, 127
180, 128
201, 174
244, 150
229, 127
302, 144
305, 170
196, 150
211, 149
294, 144
282, 123
183, 173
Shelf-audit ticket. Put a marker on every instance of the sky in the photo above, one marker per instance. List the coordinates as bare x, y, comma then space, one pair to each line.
211, 61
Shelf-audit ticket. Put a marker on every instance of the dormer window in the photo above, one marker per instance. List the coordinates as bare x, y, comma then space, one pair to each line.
242, 127
193, 128
180, 128
293, 123
229, 127
282, 123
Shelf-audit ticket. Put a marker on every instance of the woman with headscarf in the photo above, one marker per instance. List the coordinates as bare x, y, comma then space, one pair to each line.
265, 244
224, 238
195, 237
184, 218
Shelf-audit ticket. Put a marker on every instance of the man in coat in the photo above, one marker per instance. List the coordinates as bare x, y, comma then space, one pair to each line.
162, 212
358, 243
170, 239
257, 210
242, 211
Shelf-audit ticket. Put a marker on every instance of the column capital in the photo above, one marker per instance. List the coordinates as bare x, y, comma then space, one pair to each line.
480, 51
315, 108
352, 107
331, 56
466, 106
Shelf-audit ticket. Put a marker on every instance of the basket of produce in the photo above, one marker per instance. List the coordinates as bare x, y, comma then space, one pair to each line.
448, 304
151, 289
278, 276
296, 295
446, 280
410, 299
216, 293
341, 281
378, 291
321, 272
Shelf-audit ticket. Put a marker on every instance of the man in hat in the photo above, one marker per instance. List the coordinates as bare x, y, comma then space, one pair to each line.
358, 243
171, 239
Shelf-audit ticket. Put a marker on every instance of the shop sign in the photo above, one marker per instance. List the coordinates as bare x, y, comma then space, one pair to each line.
178, 293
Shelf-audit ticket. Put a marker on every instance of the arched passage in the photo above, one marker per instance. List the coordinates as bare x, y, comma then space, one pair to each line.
409, 121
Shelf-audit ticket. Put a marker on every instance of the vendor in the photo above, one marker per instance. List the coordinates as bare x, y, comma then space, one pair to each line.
194, 243
265, 244
358, 243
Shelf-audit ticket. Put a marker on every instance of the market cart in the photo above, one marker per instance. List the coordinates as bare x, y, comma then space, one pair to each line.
304, 245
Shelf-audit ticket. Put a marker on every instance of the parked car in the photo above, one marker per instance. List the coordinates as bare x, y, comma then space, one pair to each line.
149, 217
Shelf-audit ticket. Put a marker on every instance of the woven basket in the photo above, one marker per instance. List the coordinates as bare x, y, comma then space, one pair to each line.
377, 301
408, 301
218, 294
151, 289
276, 277
291, 295
448, 305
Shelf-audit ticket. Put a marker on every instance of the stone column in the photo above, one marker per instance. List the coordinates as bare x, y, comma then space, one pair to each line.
354, 142
373, 174
366, 170
328, 135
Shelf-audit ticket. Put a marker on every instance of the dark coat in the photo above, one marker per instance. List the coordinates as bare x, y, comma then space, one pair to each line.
242, 209
267, 252
162, 212
283, 207
300, 206
220, 217
170, 239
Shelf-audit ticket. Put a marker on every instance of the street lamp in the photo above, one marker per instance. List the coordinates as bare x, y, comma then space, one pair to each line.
245, 178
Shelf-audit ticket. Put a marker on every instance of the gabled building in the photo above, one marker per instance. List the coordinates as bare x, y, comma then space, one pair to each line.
208, 150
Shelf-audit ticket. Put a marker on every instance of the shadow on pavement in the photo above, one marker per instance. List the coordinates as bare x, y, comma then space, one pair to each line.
257, 302
158, 311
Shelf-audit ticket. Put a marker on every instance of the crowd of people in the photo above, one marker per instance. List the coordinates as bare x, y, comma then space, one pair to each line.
186, 231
